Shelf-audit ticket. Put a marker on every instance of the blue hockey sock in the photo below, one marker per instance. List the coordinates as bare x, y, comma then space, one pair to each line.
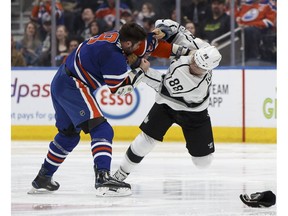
58, 151
101, 145
55, 156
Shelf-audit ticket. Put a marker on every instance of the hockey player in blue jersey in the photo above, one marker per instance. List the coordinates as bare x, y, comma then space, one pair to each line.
98, 61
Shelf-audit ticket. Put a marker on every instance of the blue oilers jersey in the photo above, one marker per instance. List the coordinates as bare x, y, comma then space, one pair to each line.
99, 61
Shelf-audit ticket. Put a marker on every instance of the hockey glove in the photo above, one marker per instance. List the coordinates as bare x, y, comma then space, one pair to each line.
259, 199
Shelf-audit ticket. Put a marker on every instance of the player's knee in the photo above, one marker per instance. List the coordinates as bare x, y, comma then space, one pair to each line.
203, 162
67, 142
102, 131
69, 131
143, 144
90, 124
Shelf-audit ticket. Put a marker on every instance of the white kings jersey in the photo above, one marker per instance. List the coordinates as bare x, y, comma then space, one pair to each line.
178, 88
182, 90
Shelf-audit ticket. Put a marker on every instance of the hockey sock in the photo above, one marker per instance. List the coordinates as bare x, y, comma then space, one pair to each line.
141, 146
58, 151
54, 158
101, 145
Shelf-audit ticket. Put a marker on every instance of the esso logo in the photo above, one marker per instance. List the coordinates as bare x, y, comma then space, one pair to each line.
115, 106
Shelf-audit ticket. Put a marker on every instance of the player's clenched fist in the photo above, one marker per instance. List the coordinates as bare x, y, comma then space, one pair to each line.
158, 34
145, 64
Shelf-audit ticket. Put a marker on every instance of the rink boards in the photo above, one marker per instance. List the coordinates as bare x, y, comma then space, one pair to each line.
243, 106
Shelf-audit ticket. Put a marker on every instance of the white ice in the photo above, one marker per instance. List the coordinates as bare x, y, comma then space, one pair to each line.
165, 183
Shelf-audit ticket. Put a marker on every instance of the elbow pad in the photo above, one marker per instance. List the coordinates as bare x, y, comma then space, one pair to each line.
178, 51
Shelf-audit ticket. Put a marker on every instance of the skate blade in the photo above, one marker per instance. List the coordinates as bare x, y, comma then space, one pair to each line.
39, 191
108, 192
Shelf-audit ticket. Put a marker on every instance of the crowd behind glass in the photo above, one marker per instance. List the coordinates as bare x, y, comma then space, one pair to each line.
78, 20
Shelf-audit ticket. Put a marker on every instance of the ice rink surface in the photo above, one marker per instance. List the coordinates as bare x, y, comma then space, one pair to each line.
165, 183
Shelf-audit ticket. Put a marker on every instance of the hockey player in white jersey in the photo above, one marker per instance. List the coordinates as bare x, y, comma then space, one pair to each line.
182, 98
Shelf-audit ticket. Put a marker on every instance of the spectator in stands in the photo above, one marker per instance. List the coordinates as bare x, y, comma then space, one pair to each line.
95, 28
44, 30
61, 38
81, 23
173, 15
17, 58
88, 4
196, 10
30, 45
41, 7
147, 11
148, 24
126, 16
72, 43
70, 11
61, 47
217, 23
257, 17
107, 12
190, 26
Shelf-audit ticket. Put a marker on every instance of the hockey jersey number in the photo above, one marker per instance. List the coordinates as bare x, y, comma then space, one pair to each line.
175, 84
110, 37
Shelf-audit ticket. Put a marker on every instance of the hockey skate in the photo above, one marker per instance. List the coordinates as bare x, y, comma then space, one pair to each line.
120, 175
43, 183
108, 186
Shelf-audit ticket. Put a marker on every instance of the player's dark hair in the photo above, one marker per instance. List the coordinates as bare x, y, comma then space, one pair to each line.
132, 32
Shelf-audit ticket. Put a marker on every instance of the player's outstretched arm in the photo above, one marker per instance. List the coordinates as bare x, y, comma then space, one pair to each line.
134, 77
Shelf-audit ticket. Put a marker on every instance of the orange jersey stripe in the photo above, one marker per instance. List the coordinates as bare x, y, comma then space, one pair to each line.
86, 75
90, 100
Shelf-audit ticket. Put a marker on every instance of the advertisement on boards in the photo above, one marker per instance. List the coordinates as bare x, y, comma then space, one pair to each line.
225, 102
261, 98
32, 105
30, 97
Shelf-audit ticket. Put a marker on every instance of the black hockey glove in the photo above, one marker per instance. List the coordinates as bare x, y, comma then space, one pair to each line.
259, 199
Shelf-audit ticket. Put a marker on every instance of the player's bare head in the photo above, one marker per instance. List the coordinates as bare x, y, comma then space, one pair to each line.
131, 35
132, 32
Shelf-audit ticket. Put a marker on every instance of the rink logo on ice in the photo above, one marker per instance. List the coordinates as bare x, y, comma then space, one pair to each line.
115, 106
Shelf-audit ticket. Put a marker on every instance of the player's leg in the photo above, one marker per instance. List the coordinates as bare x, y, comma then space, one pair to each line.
64, 142
102, 134
86, 114
154, 127
66, 106
90, 119
198, 134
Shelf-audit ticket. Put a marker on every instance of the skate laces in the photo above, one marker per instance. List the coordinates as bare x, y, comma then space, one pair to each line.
120, 175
